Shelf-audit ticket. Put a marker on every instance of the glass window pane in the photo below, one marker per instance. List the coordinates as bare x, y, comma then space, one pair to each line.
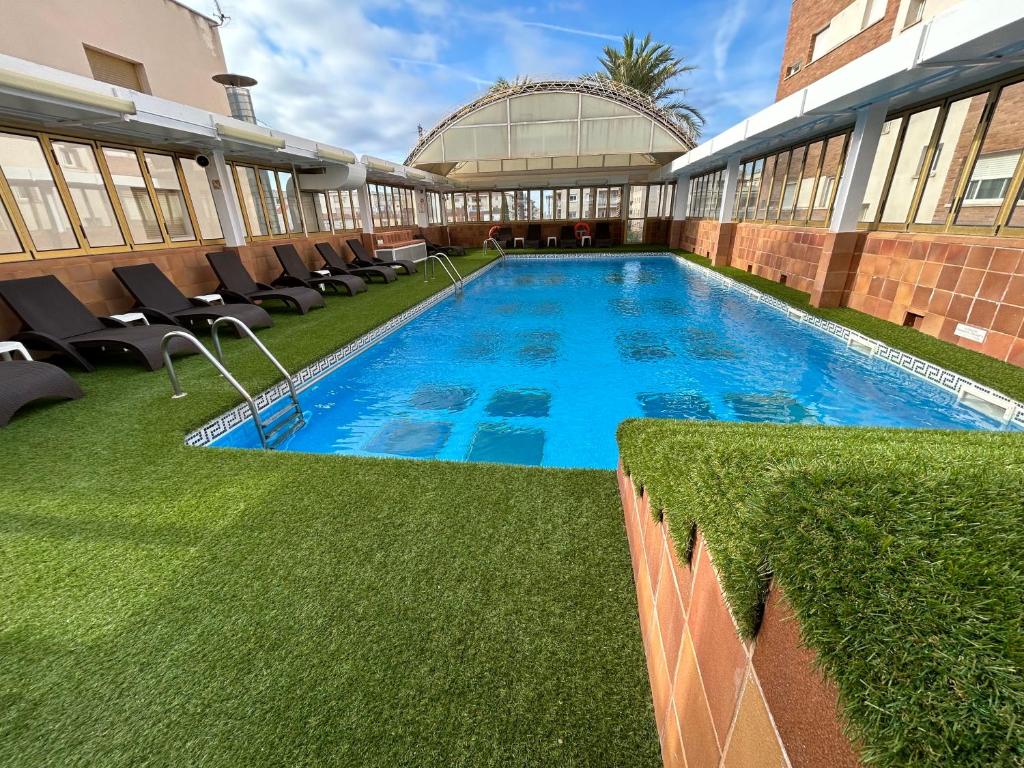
909, 166
830, 168
88, 193
288, 187
668, 193
9, 242
775, 197
958, 129
131, 190
334, 202
637, 201
346, 209
169, 197
357, 210
587, 212
459, 208
323, 216
789, 190
634, 231
753, 189
24, 166
249, 192
534, 205
989, 182
880, 169
615, 203
202, 199
805, 188
309, 212
574, 204
602, 203
767, 179
272, 200
653, 200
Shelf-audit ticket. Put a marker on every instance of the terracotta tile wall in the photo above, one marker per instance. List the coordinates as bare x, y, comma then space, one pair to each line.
945, 280
720, 701
773, 251
90, 277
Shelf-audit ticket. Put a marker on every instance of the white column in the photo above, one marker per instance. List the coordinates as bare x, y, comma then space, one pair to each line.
422, 209
732, 176
364, 209
681, 201
225, 200
853, 182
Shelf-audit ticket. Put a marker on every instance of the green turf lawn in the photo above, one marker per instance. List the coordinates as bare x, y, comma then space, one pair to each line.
1008, 379
899, 550
171, 606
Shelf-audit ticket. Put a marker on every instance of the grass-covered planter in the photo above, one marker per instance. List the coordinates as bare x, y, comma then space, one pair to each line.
899, 552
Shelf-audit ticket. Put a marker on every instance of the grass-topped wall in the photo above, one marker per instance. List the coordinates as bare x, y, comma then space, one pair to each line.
900, 552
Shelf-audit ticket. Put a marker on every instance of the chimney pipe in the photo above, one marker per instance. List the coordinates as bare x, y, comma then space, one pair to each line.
239, 98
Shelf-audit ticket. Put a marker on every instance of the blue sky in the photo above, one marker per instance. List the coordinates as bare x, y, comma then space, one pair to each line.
362, 74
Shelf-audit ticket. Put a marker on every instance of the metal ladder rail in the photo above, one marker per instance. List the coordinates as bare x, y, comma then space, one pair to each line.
445, 257
497, 247
179, 392
276, 432
426, 274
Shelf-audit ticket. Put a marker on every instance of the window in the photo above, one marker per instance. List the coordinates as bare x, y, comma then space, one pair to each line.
170, 197
9, 242
309, 212
35, 193
996, 163
880, 169
849, 22
614, 203
115, 70
202, 199
573, 208
821, 43
291, 203
805, 188
907, 174
249, 196
792, 69
915, 12
323, 214
88, 190
831, 166
133, 194
960, 124
337, 214
535, 205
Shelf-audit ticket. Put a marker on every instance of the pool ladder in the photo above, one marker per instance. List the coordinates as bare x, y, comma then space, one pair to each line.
445, 262
490, 241
272, 430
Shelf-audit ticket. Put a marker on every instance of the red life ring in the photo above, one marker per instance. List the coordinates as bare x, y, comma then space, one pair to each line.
582, 228
493, 231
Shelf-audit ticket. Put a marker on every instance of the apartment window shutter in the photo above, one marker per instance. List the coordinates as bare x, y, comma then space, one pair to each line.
114, 70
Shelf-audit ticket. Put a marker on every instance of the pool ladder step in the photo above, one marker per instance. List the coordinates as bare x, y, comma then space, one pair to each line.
272, 430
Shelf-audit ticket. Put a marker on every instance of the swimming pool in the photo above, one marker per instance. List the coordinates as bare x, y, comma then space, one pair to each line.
539, 360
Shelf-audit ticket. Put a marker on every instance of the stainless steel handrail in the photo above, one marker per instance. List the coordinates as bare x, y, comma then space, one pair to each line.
215, 333
179, 392
497, 247
432, 257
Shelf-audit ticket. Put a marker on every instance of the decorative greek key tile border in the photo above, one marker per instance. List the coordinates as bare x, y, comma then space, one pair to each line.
952, 382
238, 415
948, 380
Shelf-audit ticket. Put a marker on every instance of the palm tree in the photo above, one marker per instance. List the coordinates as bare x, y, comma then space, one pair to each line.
504, 84
651, 68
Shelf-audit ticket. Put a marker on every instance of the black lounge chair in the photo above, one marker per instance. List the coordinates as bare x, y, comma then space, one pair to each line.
238, 287
567, 237
55, 321
337, 266
603, 235
160, 300
449, 250
363, 259
296, 273
533, 237
27, 381
504, 237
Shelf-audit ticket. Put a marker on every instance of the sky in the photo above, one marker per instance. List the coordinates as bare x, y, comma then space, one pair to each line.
363, 74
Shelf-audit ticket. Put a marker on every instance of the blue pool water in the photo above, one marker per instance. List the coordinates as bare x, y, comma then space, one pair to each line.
539, 361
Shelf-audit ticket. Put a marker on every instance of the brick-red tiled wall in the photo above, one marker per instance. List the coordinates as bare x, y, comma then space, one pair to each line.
947, 280
699, 236
719, 700
91, 280
772, 251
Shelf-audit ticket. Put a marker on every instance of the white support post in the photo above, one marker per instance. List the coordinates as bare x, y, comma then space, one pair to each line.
853, 183
225, 200
732, 176
422, 208
364, 209
681, 201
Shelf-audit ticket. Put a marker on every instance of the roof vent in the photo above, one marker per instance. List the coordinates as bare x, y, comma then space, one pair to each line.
239, 98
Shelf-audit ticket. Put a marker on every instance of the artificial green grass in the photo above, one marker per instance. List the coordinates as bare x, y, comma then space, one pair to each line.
1008, 379
899, 550
163, 605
